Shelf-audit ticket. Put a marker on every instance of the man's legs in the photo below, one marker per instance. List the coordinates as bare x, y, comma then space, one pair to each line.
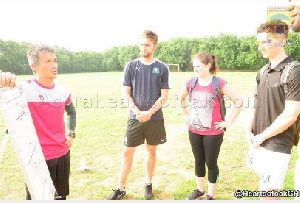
125, 166
273, 171
59, 170
133, 138
150, 166
151, 161
155, 134
297, 173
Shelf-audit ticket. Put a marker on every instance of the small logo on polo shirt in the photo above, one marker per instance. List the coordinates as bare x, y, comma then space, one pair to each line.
155, 70
138, 68
41, 97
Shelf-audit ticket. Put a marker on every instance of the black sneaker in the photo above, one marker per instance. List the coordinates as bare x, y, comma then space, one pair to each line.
148, 191
116, 194
195, 195
209, 197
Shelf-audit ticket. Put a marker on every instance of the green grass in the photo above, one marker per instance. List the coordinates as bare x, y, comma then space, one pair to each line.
101, 124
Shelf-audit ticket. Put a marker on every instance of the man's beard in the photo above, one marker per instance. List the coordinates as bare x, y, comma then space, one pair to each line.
145, 55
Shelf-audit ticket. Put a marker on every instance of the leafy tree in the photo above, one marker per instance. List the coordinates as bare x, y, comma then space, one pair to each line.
13, 57
233, 53
127, 53
110, 60
249, 58
293, 46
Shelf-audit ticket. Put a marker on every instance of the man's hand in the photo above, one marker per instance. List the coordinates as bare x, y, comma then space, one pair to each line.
249, 138
144, 116
257, 140
7, 79
69, 141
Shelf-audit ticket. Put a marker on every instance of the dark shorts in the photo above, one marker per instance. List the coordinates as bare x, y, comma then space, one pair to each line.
59, 170
152, 131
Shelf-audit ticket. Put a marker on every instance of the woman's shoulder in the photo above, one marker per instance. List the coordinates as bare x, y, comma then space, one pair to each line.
222, 81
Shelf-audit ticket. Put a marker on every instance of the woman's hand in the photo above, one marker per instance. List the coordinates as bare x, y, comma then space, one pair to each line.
221, 125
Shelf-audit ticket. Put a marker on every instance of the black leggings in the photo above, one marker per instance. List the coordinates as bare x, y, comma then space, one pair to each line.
206, 149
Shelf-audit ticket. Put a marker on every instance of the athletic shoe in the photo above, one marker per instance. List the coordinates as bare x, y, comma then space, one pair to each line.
148, 191
116, 194
209, 197
195, 194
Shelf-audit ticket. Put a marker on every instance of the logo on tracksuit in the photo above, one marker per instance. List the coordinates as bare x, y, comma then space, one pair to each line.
155, 70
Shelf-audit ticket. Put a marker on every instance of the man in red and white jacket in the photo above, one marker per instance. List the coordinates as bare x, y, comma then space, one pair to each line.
47, 102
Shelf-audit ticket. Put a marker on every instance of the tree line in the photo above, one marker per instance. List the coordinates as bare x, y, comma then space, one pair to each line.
232, 52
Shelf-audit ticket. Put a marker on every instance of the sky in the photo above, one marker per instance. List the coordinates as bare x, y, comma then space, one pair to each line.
97, 25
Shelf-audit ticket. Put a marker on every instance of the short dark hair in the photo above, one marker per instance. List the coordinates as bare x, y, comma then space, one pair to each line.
151, 35
274, 27
34, 50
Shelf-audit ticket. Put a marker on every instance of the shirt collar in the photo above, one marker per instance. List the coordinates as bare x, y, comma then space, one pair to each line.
282, 64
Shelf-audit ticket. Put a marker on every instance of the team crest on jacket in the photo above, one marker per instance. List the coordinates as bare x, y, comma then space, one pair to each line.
155, 70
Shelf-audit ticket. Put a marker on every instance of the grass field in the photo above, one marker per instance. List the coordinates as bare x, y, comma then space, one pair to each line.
101, 123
